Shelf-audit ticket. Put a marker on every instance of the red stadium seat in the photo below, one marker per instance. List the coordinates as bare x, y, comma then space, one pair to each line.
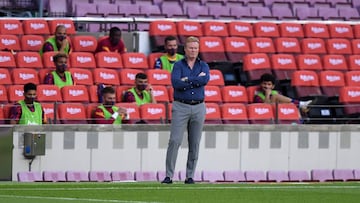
3, 94
153, 113
75, 93
287, 113
350, 97
291, 30
309, 62
69, 25
240, 29
152, 57
127, 76
120, 91
11, 27
108, 60
306, 83
15, 93
255, 65
135, 60
283, 66
215, 29
313, 46
352, 78
212, 94
355, 46
21, 76
339, 46
72, 113
236, 48
266, 29
93, 93
84, 43
7, 60
260, 113
213, 114
171, 93
340, 30
316, 30
106, 76
48, 59
132, 110
212, 49
36, 27
160, 93
234, 113
159, 30
335, 62
262, 45
82, 60
331, 82
216, 78
49, 111
31, 42
158, 77
48, 93
356, 29
251, 92
29, 59
234, 94
287, 45
9, 42
354, 62
5, 77
188, 28
82, 76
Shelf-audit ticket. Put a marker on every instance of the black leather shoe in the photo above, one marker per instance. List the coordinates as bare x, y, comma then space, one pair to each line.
189, 181
167, 180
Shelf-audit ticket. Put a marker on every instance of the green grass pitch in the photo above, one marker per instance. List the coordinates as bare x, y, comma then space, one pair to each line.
14, 192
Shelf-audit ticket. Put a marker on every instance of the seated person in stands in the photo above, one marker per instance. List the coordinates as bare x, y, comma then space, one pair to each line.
27, 111
60, 77
58, 43
113, 43
167, 60
267, 94
107, 112
141, 93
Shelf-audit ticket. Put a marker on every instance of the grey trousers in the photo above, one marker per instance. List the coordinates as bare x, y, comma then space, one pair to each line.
190, 118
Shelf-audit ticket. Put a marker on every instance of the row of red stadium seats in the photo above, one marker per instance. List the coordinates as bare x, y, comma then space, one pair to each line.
228, 113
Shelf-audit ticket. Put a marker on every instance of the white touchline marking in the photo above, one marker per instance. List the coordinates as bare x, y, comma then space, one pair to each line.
191, 188
72, 199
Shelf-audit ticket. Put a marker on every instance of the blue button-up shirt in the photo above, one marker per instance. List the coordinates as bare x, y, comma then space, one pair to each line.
193, 88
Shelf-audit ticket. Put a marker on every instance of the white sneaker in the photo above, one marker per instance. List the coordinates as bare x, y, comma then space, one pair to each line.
304, 104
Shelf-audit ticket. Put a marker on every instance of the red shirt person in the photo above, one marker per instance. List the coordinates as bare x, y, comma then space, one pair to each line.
113, 43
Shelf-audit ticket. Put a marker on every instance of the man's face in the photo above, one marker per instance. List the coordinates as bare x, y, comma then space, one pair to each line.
30, 96
265, 85
60, 34
141, 84
61, 64
115, 37
171, 47
192, 49
109, 99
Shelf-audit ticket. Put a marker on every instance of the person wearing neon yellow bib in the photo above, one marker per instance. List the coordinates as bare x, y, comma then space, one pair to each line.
107, 112
27, 111
141, 93
57, 43
59, 77
267, 94
167, 61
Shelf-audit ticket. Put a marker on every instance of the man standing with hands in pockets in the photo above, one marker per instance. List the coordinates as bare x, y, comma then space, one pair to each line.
188, 78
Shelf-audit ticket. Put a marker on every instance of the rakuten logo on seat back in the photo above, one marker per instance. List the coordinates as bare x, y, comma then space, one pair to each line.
288, 44
267, 28
190, 28
107, 76
33, 43
235, 111
4, 59
109, 59
307, 78
26, 76
48, 111
19, 93
86, 43
163, 28
81, 76
159, 76
258, 61
237, 44
353, 94
355, 78
210, 110
292, 29
158, 93
314, 45
284, 61
332, 78
235, 93
10, 26
2, 76
72, 111
263, 44
214, 77
49, 93
37, 26
76, 93
136, 60
83, 59
309, 61
30, 59
262, 111
240, 28
336, 61
210, 93
131, 76
287, 111
66, 25
317, 30
8, 42
342, 30
154, 111
216, 28
212, 44
339, 46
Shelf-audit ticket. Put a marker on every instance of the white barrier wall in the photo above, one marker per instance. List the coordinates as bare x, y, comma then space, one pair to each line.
249, 147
